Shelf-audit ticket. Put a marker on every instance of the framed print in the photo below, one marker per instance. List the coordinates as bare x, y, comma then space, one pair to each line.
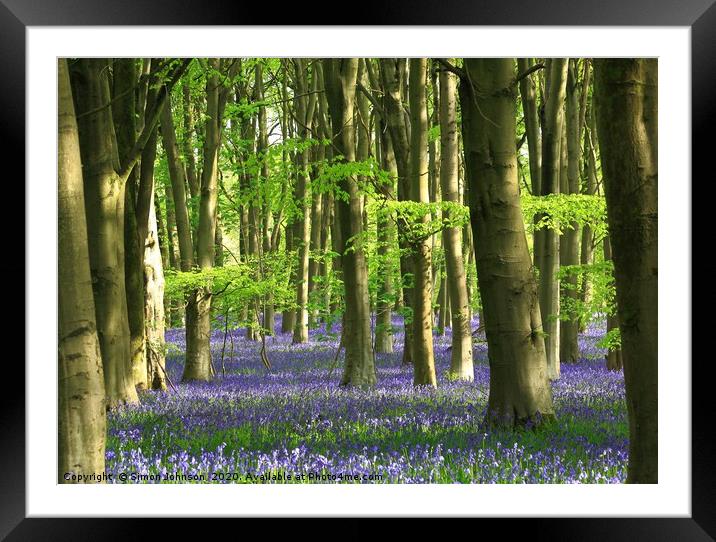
411, 266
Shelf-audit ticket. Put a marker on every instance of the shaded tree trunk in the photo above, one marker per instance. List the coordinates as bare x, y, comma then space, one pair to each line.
569, 244
340, 79
519, 385
626, 91
551, 165
393, 76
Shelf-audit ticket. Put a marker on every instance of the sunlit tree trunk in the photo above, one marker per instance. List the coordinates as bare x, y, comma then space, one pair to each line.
519, 386
551, 165
305, 110
340, 80
198, 346
626, 91
81, 395
104, 206
154, 305
423, 357
461, 352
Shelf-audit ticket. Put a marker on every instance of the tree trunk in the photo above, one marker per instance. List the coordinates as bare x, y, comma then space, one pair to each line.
551, 164
104, 206
614, 355
386, 242
461, 352
534, 147
423, 358
198, 359
519, 386
154, 305
340, 80
305, 109
569, 248
393, 75
626, 91
81, 395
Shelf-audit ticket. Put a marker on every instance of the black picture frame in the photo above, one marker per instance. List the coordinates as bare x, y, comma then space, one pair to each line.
699, 15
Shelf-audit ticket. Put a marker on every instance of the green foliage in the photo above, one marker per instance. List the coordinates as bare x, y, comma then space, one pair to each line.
612, 340
558, 211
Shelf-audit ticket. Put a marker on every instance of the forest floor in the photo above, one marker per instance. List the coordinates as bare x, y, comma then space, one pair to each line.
253, 424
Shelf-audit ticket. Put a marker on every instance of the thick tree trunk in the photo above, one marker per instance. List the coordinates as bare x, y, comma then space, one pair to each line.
81, 396
569, 244
104, 207
551, 164
626, 91
423, 357
519, 386
461, 352
340, 80
198, 359
124, 116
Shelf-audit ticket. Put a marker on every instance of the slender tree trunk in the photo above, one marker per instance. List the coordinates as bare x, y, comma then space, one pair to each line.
393, 75
305, 110
626, 91
423, 357
569, 249
386, 241
551, 164
178, 190
587, 249
104, 206
461, 352
534, 146
340, 79
519, 386
154, 305
81, 395
614, 355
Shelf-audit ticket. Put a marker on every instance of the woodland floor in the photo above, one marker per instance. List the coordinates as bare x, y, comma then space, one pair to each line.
296, 420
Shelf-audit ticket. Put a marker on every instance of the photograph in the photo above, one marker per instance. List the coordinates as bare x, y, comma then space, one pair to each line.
357, 270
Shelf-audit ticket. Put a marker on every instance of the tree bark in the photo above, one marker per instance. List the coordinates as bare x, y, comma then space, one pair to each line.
626, 91
461, 353
340, 79
393, 75
305, 109
569, 244
104, 207
551, 164
81, 395
423, 357
519, 387
198, 333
